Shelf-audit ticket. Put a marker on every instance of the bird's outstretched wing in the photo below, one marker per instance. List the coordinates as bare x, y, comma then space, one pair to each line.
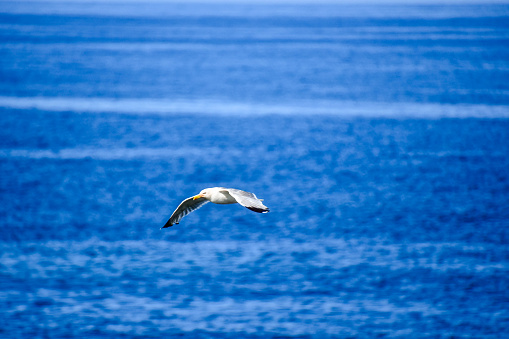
248, 200
187, 206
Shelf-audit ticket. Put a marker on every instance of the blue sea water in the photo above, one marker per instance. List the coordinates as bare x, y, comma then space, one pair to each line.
378, 135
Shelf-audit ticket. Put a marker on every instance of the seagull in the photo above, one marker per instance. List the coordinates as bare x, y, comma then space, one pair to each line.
217, 195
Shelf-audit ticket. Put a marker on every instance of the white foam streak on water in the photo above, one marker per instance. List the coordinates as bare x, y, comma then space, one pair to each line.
114, 153
316, 9
203, 153
211, 107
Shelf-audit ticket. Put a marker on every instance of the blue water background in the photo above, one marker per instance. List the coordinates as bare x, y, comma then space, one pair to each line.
378, 136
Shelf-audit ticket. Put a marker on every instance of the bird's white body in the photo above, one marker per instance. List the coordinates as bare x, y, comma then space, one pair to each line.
220, 197
217, 195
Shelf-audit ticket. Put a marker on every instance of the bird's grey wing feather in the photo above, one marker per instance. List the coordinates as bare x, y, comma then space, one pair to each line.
248, 200
187, 206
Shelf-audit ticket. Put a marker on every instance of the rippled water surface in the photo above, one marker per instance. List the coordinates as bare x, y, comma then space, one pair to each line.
377, 135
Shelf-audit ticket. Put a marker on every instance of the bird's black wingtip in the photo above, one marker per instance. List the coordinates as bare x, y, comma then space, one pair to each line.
259, 210
168, 225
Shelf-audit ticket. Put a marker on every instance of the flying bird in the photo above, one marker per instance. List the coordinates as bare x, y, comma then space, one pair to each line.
217, 195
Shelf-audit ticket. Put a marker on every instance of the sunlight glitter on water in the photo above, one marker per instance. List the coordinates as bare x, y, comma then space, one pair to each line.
242, 269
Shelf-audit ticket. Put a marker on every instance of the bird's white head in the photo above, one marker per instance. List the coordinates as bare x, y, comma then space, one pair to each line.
203, 194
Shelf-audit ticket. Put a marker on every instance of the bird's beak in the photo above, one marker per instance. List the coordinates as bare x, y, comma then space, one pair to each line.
197, 197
